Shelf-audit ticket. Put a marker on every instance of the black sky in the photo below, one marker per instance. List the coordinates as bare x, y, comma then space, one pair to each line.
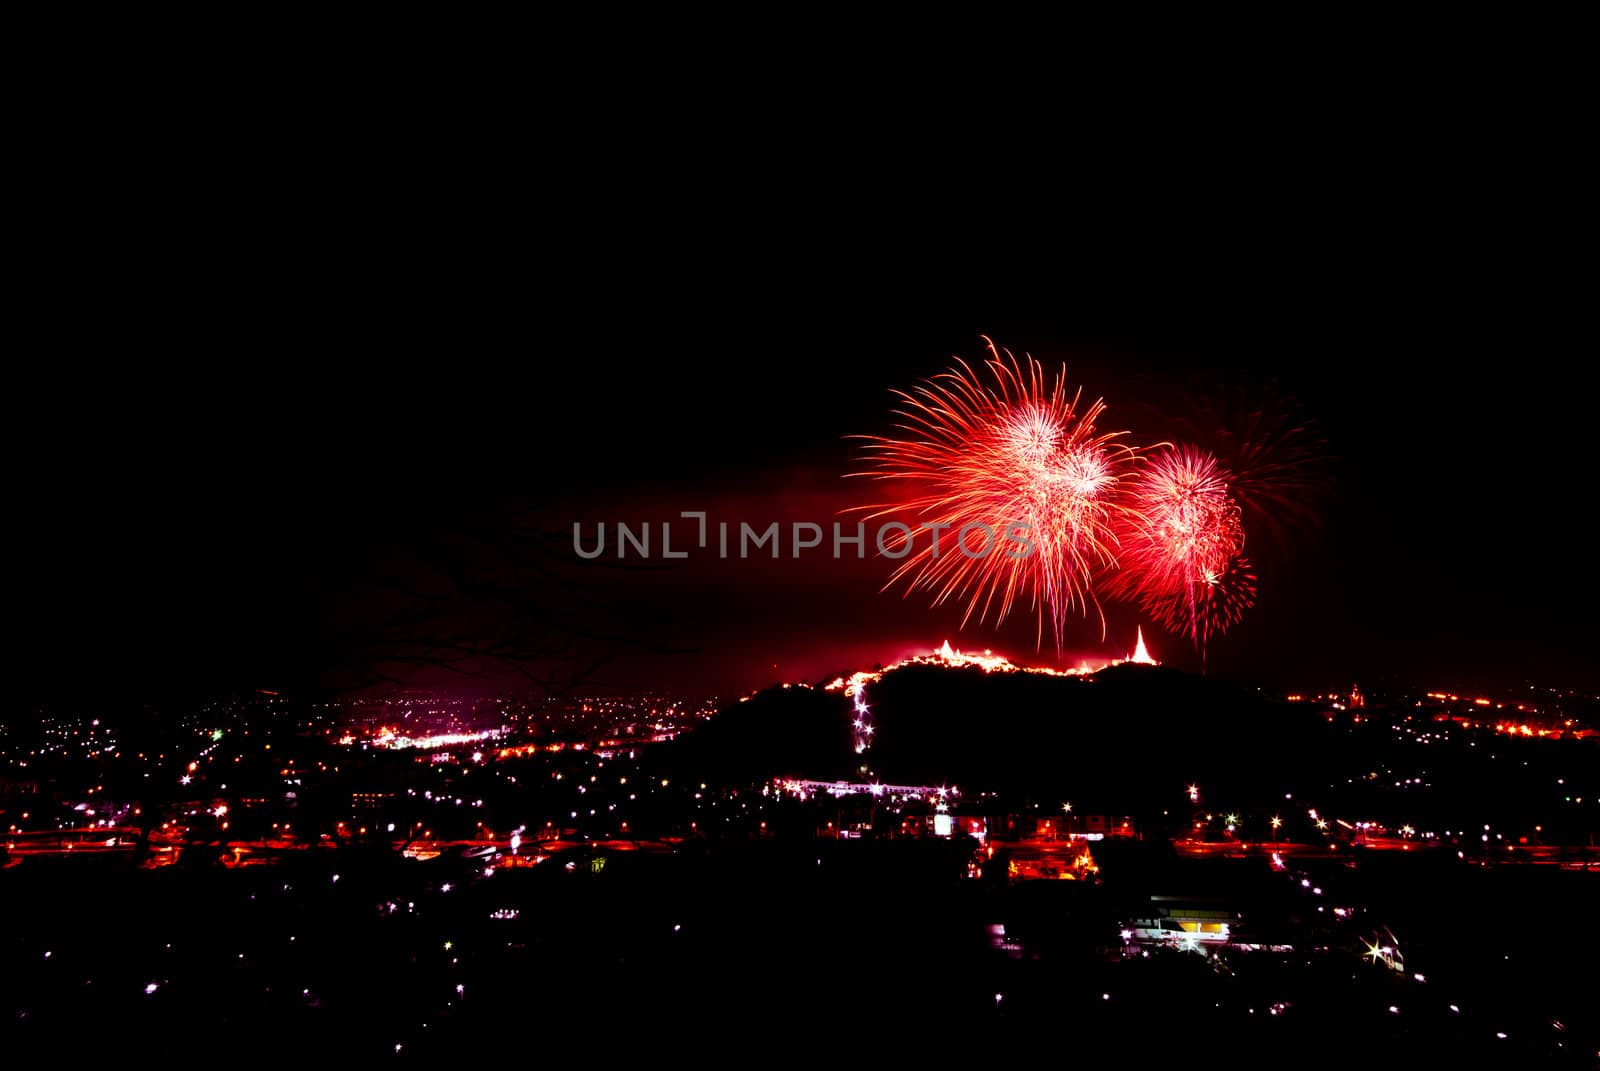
214, 450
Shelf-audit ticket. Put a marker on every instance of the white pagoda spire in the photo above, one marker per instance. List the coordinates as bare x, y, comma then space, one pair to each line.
1141, 654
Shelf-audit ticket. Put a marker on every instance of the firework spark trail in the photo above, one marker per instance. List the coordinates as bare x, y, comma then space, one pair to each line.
1018, 453
1208, 607
1278, 464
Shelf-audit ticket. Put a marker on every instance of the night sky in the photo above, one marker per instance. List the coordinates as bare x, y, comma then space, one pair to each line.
217, 509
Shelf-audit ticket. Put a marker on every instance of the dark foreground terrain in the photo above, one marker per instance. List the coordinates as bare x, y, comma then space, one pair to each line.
758, 950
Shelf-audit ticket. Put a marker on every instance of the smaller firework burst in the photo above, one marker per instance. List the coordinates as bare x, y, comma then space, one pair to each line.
1182, 545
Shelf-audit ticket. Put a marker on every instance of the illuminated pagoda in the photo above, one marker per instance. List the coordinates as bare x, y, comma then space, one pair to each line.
1141, 654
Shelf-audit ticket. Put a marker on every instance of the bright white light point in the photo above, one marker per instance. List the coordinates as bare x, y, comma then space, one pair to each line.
446, 887
1501, 1034
151, 988
1456, 1008
391, 827
460, 989
676, 927
336, 877
1393, 1010
1105, 996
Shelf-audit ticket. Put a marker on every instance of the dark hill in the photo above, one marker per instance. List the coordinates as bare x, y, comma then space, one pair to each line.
791, 732
1126, 737
1121, 739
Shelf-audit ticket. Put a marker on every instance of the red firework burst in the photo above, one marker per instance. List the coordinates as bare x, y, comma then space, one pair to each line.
1021, 459
1183, 545
1208, 607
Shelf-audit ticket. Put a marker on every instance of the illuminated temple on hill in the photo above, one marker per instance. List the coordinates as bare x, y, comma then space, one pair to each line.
1141, 654
989, 662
